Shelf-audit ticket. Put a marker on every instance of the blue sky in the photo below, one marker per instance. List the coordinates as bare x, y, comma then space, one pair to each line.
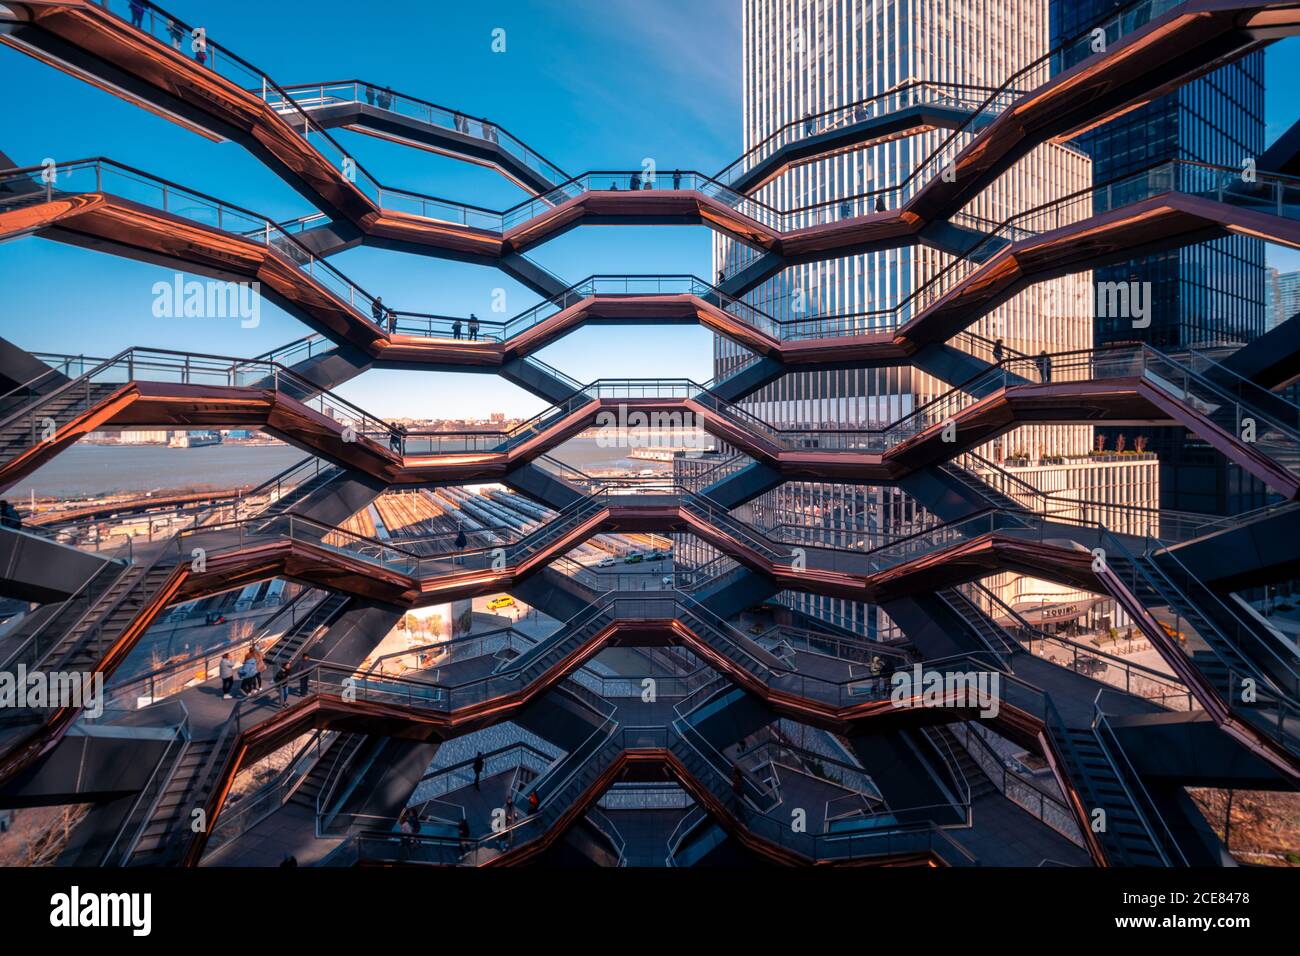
588, 83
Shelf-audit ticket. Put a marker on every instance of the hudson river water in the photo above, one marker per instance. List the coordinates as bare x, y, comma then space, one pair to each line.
88, 470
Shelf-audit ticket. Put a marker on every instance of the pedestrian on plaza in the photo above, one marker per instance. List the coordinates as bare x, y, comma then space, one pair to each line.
247, 675
462, 829
227, 670
260, 660
478, 769
282, 678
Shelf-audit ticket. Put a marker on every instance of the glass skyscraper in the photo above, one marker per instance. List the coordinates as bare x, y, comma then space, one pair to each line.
1208, 294
801, 57
1283, 296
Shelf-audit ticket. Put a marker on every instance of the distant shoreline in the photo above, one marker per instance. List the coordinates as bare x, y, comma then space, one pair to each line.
92, 470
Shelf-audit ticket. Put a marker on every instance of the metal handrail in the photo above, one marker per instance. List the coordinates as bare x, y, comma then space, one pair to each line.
182, 738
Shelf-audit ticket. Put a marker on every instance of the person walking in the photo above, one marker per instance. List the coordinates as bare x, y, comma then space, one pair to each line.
1045, 365
478, 769
462, 829
508, 831
282, 679
461, 539
247, 675
473, 327
227, 670
137, 13
455, 329
370, 94
377, 310
259, 659
737, 784
408, 824
997, 352
396, 437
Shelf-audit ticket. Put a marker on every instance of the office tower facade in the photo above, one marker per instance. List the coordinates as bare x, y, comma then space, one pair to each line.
802, 57
1283, 295
1208, 294
1204, 295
